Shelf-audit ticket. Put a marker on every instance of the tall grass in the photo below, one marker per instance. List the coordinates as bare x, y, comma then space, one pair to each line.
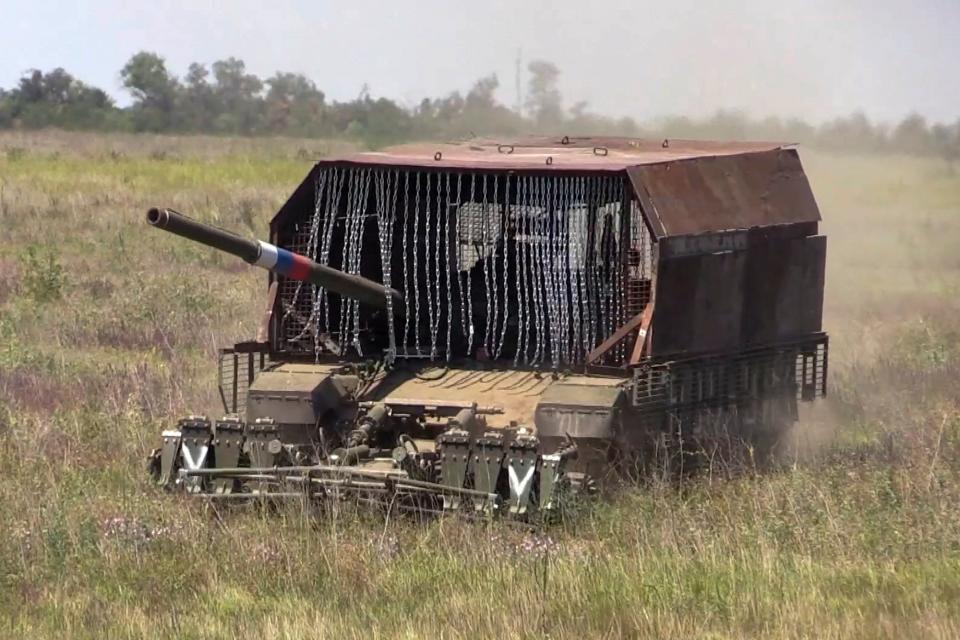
108, 331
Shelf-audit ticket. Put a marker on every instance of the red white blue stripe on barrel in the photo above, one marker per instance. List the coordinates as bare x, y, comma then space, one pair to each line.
286, 263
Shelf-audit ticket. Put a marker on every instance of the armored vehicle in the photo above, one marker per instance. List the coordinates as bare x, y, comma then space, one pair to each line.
485, 326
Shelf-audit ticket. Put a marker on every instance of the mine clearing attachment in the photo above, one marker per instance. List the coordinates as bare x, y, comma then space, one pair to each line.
487, 475
460, 329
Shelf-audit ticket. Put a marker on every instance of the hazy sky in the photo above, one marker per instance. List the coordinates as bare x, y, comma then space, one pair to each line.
814, 58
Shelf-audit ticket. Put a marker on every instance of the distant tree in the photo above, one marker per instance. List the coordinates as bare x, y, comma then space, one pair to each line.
6, 109
582, 122
379, 122
225, 98
912, 135
197, 104
627, 126
544, 102
481, 95
30, 88
796, 130
57, 99
450, 108
425, 109
480, 113
953, 145
579, 110
728, 124
59, 87
854, 132
945, 141
154, 91
239, 103
294, 104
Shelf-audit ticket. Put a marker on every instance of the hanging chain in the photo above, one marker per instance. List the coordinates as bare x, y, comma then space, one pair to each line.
386, 192
540, 269
519, 241
427, 254
438, 302
352, 188
533, 289
496, 236
448, 208
485, 243
596, 238
622, 260
603, 261
406, 261
352, 252
552, 261
357, 253
581, 261
319, 186
294, 302
560, 269
556, 252
563, 268
416, 268
330, 221
575, 242
569, 286
471, 329
460, 236
505, 241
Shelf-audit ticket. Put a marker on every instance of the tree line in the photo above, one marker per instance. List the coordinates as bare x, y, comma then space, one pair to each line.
224, 98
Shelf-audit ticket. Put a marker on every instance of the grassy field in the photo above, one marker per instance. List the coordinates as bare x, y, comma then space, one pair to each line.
107, 334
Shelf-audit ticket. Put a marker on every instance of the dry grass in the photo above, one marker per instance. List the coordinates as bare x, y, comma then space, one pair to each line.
106, 336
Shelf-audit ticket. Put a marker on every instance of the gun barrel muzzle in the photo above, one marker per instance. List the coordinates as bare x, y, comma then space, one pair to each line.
276, 259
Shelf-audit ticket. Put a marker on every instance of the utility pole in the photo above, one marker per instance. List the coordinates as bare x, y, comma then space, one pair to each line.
518, 72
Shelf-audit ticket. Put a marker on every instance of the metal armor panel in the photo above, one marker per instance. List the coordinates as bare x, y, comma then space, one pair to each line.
770, 290
579, 407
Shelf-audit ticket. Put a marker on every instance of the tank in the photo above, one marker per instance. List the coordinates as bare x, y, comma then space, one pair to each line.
486, 327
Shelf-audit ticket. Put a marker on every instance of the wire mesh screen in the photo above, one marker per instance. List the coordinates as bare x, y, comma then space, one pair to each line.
533, 269
236, 371
796, 369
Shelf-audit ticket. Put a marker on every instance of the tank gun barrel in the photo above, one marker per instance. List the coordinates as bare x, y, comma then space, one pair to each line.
276, 259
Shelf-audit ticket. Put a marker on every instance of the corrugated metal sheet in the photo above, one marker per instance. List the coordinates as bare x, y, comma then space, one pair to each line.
684, 186
721, 193
600, 154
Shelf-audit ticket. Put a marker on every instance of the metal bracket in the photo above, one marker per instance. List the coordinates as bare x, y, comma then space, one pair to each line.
454, 448
551, 472
169, 455
262, 445
227, 443
521, 466
195, 448
622, 332
486, 463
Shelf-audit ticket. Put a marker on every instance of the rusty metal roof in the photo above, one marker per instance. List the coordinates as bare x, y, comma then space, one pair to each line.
684, 187
578, 154
723, 193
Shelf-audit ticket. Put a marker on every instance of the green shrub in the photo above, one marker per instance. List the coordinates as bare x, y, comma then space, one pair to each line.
43, 278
